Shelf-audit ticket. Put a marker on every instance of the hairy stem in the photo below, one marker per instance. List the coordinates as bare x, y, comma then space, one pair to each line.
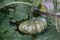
17, 3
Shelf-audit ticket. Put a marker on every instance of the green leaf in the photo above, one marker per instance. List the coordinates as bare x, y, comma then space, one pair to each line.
50, 20
50, 34
27, 37
5, 26
1, 38
21, 12
12, 35
15, 35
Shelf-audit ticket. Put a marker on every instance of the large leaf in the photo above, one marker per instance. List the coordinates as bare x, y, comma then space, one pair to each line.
12, 35
5, 26
21, 12
50, 34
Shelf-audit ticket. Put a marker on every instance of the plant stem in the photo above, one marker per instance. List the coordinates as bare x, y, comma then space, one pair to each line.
17, 3
32, 10
55, 11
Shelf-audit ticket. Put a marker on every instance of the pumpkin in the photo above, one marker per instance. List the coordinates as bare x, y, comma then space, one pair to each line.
33, 26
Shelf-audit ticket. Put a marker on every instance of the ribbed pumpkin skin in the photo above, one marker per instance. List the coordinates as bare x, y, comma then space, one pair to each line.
34, 26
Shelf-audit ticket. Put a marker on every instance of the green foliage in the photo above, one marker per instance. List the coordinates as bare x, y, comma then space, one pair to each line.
50, 34
19, 12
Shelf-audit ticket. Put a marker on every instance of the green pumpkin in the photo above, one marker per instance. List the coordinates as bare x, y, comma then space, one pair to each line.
33, 26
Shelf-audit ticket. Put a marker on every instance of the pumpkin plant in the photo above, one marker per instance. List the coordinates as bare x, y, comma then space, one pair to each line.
27, 16
33, 25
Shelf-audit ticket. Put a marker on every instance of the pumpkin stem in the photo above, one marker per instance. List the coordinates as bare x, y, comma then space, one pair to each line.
31, 15
32, 10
